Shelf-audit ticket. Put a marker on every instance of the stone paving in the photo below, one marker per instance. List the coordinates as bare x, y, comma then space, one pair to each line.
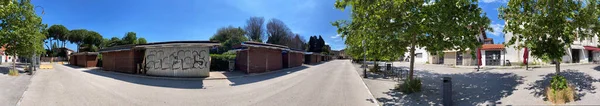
488, 86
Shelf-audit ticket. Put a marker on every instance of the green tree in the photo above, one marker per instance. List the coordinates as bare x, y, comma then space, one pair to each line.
21, 29
229, 36
92, 41
254, 29
547, 27
78, 36
114, 41
129, 38
142, 41
60, 33
388, 27
277, 32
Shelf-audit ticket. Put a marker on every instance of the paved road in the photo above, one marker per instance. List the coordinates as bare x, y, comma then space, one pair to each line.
334, 83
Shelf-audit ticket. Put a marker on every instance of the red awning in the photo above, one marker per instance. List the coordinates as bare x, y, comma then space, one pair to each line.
591, 48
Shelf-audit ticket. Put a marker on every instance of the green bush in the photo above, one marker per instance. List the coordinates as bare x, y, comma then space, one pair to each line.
12, 72
220, 62
410, 86
558, 82
375, 68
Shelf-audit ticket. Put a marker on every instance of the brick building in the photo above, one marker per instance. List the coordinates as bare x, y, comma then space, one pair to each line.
84, 59
122, 59
292, 58
256, 57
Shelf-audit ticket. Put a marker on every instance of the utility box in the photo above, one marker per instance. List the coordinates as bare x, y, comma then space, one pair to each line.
231, 65
447, 91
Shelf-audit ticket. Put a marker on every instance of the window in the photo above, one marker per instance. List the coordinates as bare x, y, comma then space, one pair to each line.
418, 55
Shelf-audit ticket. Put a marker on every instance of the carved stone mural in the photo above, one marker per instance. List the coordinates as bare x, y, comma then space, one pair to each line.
178, 61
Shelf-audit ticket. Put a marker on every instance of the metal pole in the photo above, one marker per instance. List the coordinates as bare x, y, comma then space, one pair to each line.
364, 59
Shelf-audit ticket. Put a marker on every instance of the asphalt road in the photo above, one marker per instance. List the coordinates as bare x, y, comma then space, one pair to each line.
334, 83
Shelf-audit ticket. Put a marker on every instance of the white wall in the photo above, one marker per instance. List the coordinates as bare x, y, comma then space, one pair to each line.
423, 59
178, 61
514, 55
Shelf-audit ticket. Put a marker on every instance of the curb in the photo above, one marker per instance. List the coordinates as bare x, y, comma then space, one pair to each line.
188, 79
365, 84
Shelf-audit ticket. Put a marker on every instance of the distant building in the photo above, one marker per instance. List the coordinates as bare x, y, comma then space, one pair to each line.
4, 57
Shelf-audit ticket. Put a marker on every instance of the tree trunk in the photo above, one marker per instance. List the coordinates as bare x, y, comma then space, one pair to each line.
412, 58
78, 47
14, 62
557, 67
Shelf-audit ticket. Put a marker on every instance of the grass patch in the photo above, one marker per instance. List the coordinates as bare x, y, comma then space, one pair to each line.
559, 91
13, 72
560, 96
410, 86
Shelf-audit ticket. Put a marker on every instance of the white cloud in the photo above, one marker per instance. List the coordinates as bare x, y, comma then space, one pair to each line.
326, 43
497, 29
336, 36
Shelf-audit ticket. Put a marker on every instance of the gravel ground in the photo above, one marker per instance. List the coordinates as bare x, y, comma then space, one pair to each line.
489, 86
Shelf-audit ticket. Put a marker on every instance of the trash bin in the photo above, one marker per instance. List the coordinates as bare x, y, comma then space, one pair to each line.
388, 66
231, 65
447, 91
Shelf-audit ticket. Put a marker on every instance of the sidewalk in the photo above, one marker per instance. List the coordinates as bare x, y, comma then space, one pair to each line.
12, 86
489, 86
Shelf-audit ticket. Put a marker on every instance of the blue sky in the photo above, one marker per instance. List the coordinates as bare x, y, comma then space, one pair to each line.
168, 20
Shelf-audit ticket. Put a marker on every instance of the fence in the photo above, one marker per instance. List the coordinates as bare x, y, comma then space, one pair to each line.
53, 59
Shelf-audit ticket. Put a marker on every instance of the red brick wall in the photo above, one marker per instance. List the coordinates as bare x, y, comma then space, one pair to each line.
86, 60
260, 60
274, 59
73, 60
120, 61
80, 60
241, 61
296, 59
91, 60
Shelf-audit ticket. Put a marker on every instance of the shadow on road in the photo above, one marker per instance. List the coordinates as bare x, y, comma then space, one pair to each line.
597, 68
73, 66
184, 84
581, 81
258, 78
5, 70
469, 89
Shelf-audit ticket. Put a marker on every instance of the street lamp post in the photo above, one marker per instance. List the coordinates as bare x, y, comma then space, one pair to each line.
364, 59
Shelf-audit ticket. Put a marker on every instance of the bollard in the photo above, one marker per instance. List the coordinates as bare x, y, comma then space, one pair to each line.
447, 91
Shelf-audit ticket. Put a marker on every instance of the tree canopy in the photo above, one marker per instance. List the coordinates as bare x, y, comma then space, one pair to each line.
59, 33
255, 29
129, 38
21, 30
229, 36
142, 41
547, 27
388, 27
277, 32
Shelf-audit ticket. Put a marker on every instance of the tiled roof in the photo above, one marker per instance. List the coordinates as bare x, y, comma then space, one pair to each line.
492, 46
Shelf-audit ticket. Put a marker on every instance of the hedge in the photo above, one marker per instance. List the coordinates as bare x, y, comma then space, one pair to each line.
220, 62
